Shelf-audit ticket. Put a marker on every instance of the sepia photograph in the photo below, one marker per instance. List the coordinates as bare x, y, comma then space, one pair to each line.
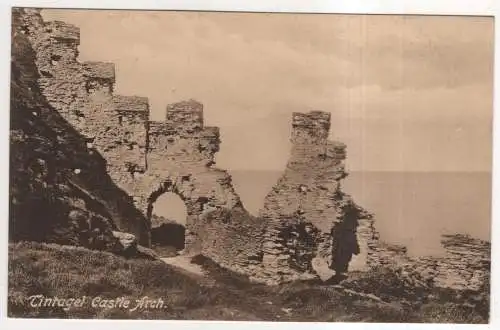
250, 166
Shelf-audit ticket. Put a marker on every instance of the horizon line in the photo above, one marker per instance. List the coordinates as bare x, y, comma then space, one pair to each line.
372, 171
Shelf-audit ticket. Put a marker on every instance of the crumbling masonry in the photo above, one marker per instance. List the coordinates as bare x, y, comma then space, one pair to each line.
307, 227
144, 158
311, 225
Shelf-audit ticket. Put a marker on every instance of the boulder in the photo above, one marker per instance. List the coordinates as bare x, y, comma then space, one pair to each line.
127, 241
321, 268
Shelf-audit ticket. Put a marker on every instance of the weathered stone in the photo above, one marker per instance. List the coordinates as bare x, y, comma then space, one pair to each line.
146, 253
56, 186
145, 159
465, 264
322, 268
307, 215
127, 241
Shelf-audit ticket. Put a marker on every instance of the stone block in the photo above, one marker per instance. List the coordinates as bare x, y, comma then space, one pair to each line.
62, 31
100, 70
131, 103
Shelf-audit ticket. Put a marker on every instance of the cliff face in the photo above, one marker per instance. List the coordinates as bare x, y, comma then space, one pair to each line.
62, 83
49, 201
466, 264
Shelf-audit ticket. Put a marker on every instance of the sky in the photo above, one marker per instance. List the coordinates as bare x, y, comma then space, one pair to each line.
406, 93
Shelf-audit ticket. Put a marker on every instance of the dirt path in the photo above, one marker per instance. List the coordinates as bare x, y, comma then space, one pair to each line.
193, 270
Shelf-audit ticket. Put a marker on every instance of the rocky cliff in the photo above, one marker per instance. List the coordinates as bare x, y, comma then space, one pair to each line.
464, 265
59, 189
143, 158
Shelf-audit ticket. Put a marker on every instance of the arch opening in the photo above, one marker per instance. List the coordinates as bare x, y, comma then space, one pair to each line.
168, 215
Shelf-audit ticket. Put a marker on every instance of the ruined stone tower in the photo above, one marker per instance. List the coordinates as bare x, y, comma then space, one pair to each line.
311, 223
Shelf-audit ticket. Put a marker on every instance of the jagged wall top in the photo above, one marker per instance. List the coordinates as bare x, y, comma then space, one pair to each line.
138, 104
311, 127
100, 70
186, 116
62, 31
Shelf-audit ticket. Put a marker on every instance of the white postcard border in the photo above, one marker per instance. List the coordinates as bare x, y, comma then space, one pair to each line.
427, 7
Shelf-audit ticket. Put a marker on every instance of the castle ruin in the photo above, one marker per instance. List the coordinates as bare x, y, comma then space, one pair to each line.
307, 227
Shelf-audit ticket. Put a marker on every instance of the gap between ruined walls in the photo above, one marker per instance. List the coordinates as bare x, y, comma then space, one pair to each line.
307, 226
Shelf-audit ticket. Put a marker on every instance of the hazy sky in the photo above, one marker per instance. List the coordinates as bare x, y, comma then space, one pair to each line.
406, 93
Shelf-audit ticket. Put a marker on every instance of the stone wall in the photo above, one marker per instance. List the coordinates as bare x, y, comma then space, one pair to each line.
180, 160
144, 158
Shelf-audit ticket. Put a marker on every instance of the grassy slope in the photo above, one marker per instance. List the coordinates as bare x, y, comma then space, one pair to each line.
65, 272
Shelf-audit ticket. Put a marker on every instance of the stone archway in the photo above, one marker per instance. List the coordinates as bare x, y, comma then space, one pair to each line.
181, 186
167, 237
168, 224
203, 190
